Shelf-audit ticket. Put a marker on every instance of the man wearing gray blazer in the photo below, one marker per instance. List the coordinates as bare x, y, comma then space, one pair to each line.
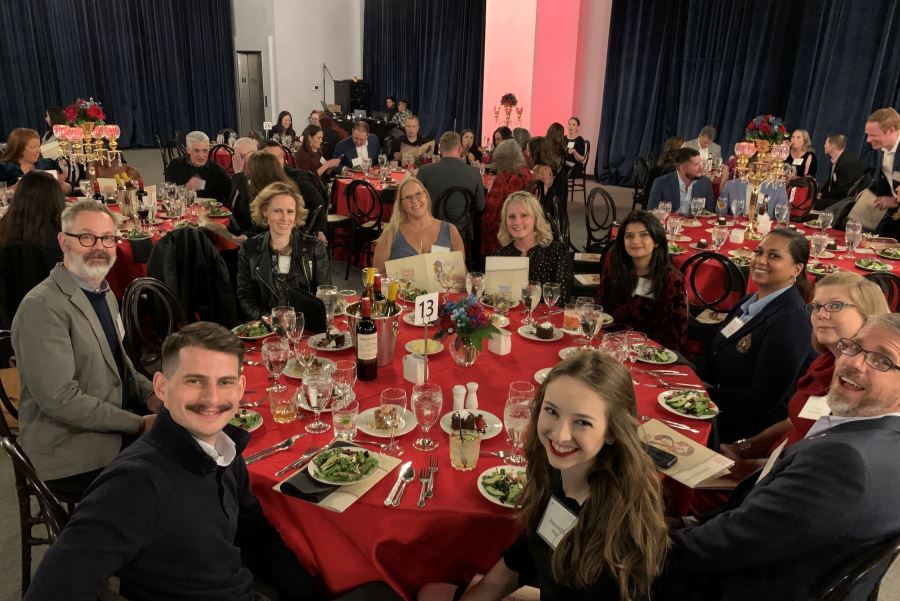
80, 394
827, 502
704, 144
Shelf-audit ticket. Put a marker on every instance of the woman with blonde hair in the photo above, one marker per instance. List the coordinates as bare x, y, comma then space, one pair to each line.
525, 232
512, 176
282, 265
412, 229
802, 157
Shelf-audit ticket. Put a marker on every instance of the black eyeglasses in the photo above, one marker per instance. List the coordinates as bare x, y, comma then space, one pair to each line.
874, 360
89, 240
830, 307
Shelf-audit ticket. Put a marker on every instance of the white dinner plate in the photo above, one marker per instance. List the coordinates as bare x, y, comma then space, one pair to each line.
367, 417
671, 358
418, 346
526, 332
662, 402
493, 425
489, 496
293, 370
318, 338
541, 375
487, 303
313, 471
410, 318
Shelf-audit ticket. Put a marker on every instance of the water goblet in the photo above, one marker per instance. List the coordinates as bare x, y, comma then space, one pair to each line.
818, 243
393, 406
719, 236
344, 377
275, 354
329, 297
283, 320
666, 208
317, 389
551, 291
737, 207
85, 186
825, 220
516, 417
580, 301
591, 316
697, 205
782, 214
305, 352
382, 161
426, 403
635, 343
852, 237
530, 290
475, 283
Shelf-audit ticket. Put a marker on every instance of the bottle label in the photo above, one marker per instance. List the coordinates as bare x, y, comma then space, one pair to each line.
367, 346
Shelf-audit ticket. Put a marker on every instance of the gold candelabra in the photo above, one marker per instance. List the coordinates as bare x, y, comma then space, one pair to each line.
88, 145
507, 119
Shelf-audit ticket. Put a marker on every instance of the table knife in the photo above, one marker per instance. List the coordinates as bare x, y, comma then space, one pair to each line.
389, 500
300, 463
281, 446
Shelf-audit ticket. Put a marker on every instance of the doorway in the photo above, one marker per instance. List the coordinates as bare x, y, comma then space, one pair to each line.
251, 101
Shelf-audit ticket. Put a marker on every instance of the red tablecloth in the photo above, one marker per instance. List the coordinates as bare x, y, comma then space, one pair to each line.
459, 533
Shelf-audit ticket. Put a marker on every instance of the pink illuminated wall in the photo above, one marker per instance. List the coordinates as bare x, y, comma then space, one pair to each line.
555, 60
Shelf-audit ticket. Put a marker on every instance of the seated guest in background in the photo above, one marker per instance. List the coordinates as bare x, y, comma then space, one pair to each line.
534, 153
261, 169
390, 107
764, 343
842, 303
828, 501
586, 467
402, 114
81, 396
23, 155
361, 145
411, 141
524, 232
845, 170
802, 156
575, 148
883, 133
309, 156
196, 172
521, 136
556, 137
512, 176
282, 265
501, 134
308, 185
55, 115
174, 517
452, 172
543, 176
704, 144
470, 152
640, 287
682, 185
413, 230
284, 126
243, 148
314, 118
542, 151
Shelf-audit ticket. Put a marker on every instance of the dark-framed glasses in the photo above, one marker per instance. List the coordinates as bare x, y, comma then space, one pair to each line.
415, 196
873, 359
830, 307
89, 240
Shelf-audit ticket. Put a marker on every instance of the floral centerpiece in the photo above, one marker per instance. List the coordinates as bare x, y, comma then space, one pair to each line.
509, 99
85, 111
467, 326
768, 128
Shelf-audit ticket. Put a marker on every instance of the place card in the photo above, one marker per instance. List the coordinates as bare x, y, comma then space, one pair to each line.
588, 257
588, 279
424, 271
506, 274
696, 462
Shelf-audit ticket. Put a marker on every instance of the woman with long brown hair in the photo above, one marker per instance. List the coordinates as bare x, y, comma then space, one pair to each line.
261, 169
23, 155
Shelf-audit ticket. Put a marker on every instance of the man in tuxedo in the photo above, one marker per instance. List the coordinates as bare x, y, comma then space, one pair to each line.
683, 184
826, 503
883, 133
451, 171
196, 172
704, 144
361, 145
845, 170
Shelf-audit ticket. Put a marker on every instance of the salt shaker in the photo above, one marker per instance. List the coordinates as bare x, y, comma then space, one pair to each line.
459, 395
472, 397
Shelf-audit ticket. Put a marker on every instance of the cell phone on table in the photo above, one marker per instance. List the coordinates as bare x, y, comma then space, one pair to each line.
662, 459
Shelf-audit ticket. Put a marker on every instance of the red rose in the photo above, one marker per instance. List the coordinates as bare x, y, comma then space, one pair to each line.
70, 114
765, 128
782, 129
752, 126
96, 113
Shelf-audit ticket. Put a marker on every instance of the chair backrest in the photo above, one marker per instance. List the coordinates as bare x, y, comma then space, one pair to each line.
557, 214
53, 513
713, 281
890, 285
806, 191
150, 312
225, 134
861, 182
867, 572
449, 208
222, 154
23, 266
587, 155
599, 218
364, 205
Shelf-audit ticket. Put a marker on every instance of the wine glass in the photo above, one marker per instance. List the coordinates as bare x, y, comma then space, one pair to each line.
382, 161
305, 351
673, 227
591, 316
85, 186
721, 207
475, 284
719, 236
531, 296
697, 205
551, 291
317, 389
344, 377
580, 301
366, 165
275, 354
852, 237
426, 403
635, 342
782, 214
283, 320
819, 242
825, 220
737, 207
393, 406
666, 208
516, 417
329, 297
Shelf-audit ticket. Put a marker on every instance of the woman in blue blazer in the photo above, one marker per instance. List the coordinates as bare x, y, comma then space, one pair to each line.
764, 343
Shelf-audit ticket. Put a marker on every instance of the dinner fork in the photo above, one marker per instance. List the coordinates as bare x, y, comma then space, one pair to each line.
433, 468
424, 475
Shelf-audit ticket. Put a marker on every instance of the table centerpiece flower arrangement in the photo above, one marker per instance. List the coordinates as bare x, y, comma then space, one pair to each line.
467, 325
768, 128
85, 111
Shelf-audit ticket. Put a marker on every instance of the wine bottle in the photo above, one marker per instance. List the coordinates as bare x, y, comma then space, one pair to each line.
390, 306
378, 307
370, 285
366, 343
98, 196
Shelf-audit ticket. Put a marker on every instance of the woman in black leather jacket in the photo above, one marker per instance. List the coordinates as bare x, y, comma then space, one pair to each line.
282, 266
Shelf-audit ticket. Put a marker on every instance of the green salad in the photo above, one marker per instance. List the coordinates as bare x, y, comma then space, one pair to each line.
890, 253
182, 224
655, 354
246, 420
675, 249
208, 202
690, 402
409, 295
135, 235
251, 329
873, 265
344, 465
504, 484
219, 212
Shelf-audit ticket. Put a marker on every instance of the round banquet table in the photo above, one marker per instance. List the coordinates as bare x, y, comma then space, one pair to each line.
459, 533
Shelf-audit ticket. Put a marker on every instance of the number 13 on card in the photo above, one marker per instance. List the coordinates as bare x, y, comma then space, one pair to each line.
426, 311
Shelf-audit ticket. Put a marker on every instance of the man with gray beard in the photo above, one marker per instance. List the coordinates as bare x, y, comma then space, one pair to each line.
82, 400
827, 502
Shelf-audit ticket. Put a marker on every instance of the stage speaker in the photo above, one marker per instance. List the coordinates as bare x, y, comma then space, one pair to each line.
351, 95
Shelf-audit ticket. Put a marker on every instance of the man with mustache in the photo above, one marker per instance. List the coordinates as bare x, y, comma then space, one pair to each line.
827, 503
173, 516
82, 400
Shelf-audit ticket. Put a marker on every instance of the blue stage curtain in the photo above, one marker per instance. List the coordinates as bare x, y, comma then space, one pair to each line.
675, 66
430, 53
158, 66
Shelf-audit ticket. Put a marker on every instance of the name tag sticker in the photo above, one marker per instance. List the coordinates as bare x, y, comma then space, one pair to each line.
815, 408
798, 161
557, 521
733, 326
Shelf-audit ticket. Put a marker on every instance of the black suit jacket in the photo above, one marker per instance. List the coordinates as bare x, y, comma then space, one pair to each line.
889, 225
846, 171
753, 372
828, 500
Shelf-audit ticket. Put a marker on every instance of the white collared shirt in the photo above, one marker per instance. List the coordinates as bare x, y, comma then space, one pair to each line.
826, 422
704, 153
685, 194
887, 162
362, 152
222, 452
